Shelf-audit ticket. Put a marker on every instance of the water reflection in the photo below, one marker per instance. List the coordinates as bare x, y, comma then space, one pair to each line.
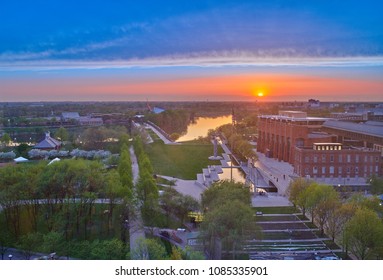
237, 175
202, 126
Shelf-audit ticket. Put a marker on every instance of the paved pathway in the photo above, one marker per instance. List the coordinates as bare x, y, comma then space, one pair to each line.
186, 187
136, 224
163, 138
278, 172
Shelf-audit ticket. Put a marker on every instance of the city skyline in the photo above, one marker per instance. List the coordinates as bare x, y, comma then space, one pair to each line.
215, 50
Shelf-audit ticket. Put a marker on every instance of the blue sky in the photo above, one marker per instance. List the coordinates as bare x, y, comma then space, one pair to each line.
64, 36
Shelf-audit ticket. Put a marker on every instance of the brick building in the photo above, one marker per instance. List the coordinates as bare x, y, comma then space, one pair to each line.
319, 148
330, 160
278, 135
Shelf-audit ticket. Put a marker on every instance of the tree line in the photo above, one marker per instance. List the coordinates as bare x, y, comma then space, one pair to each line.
172, 121
355, 223
236, 141
78, 199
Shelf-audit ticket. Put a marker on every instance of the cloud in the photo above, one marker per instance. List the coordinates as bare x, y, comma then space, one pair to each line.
282, 57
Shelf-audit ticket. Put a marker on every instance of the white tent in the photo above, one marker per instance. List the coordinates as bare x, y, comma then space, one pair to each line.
20, 159
53, 160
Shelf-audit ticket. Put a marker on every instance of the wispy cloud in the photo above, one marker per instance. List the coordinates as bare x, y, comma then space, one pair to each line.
283, 57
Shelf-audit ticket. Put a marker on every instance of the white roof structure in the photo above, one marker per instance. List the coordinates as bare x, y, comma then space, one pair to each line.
54, 160
20, 159
158, 110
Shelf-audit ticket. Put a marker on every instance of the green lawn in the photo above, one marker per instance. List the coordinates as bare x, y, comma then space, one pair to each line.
276, 210
181, 161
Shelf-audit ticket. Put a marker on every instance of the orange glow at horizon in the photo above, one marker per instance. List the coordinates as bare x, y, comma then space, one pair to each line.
270, 87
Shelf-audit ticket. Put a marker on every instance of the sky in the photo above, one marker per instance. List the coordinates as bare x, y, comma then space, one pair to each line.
120, 50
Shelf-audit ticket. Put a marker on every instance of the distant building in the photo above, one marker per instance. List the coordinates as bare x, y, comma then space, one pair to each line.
332, 160
90, 121
48, 143
278, 135
366, 134
66, 116
313, 103
325, 150
349, 116
158, 110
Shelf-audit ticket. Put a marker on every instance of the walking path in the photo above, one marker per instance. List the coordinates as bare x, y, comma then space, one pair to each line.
278, 172
136, 228
162, 137
186, 187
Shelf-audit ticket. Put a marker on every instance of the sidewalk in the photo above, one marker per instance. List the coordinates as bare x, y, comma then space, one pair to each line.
278, 172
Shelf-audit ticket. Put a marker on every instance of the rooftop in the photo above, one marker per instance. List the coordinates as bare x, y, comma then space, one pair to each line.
315, 135
297, 119
367, 129
48, 143
70, 115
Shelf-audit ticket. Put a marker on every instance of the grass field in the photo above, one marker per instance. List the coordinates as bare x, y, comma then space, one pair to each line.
181, 161
276, 210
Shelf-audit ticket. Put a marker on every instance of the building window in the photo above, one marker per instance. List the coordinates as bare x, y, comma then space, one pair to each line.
306, 170
348, 170
323, 170
357, 158
315, 170
376, 159
376, 168
331, 158
331, 169
365, 158
323, 158
340, 158
340, 170
356, 169
348, 158
307, 159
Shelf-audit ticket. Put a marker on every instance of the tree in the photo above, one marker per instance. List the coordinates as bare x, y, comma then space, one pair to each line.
62, 134
30, 243
114, 191
174, 203
297, 194
5, 240
339, 215
112, 249
227, 222
149, 249
22, 150
12, 181
228, 217
6, 139
124, 169
364, 233
376, 185
124, 139
325, 202
53, 242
